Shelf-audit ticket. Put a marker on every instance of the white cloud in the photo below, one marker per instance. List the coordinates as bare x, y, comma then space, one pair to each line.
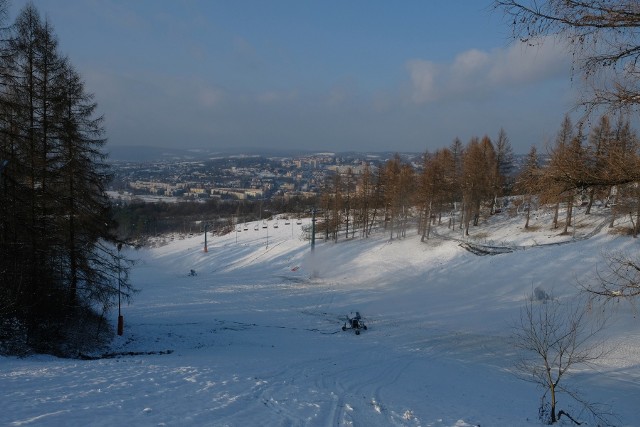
470, 62
475, 73
523, 64
424, 77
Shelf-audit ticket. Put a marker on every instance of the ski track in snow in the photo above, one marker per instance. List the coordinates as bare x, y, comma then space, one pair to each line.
255, 339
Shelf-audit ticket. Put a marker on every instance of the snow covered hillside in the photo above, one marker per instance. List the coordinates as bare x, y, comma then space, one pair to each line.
255, 339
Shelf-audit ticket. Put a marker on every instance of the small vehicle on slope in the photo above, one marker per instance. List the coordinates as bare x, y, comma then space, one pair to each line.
356, 323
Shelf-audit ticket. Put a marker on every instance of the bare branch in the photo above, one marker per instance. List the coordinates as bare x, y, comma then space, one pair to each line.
620, 279
554, 339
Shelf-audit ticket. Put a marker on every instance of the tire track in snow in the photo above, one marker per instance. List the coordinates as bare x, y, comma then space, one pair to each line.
359, 400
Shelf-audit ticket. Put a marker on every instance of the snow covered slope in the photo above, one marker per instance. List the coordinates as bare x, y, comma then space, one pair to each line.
255, 339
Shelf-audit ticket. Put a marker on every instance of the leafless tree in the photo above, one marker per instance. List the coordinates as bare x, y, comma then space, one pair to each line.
602, 37
435, 188
621, 161
363, 201
528, 181
504, 163
479, 177
455, 172
619, 279
399, 186
553, 339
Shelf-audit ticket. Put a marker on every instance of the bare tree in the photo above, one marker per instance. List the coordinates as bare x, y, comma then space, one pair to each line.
399, 184
602, 37
505, 161
455, 174
528, 181
434, 189
479, 173
619, 279
566, 175
554, 339
621, 160
363, 202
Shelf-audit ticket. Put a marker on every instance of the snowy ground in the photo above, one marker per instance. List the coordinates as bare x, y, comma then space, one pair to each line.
255, 338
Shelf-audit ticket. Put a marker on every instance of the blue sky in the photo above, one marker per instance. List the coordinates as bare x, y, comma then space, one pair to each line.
319, 75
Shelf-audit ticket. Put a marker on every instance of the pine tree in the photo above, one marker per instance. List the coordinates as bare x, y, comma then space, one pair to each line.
59, 259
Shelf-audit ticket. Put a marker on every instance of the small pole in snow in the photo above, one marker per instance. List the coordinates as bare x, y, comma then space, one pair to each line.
120, 318
313, 229
205, 236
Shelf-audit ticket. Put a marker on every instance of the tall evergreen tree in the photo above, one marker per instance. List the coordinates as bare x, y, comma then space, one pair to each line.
59, 260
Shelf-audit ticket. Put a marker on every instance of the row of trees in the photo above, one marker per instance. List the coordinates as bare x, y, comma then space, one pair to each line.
603, 165
59, 266
138, 220
457, 181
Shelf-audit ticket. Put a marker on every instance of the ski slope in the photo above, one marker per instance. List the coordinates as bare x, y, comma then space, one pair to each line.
255, 339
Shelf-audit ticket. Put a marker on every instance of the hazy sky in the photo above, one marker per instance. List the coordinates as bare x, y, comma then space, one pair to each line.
334, 75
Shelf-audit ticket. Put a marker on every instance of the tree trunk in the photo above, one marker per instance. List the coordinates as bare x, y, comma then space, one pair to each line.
569, 214
552, 391
592, 193
427, 228
637, 224
614, 209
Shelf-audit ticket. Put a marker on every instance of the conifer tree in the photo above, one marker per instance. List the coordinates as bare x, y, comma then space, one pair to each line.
58, 258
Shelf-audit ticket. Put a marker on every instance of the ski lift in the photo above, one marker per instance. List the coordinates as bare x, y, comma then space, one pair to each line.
246, 227
264, 224
275, 225
256, 228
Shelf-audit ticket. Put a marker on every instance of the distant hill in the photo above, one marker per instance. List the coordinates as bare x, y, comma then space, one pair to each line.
140, 153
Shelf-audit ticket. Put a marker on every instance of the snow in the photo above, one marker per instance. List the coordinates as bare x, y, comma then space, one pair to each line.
255, 337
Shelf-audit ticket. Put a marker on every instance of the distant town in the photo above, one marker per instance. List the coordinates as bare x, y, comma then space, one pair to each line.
240, 176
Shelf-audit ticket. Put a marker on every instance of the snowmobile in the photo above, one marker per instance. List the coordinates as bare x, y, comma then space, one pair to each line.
356, 323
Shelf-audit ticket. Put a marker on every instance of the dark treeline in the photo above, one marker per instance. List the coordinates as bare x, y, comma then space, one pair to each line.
138, 220
59, 265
